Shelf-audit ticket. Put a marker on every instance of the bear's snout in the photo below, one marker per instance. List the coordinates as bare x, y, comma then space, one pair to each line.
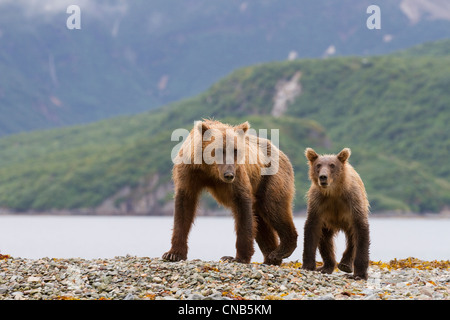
227, 172
228, 176
323, 180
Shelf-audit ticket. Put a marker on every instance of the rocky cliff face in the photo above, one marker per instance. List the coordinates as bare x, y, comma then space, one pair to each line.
286, 92
148, 198
417, 10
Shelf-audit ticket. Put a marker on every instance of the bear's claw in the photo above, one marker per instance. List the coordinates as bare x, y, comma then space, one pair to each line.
326, 269
357, 276
228, 259
233, 259
172, 257
273, 259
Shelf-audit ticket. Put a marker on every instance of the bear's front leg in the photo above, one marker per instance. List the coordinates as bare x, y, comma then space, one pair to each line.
185, 205
244, 225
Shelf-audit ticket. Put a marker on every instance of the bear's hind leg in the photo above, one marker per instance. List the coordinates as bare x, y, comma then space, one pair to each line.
288, 240
273, 203
279, 219
267, 240
284, 227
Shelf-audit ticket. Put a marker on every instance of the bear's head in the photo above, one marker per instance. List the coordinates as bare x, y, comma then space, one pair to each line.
223, 148
325, 170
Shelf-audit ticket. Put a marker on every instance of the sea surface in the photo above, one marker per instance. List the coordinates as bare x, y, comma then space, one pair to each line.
92, 237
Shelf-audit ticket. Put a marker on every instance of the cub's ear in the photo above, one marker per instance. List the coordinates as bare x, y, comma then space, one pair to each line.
311, 155
243, 126
344, 155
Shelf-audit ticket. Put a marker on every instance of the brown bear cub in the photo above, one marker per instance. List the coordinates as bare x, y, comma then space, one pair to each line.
337, 200
261, 204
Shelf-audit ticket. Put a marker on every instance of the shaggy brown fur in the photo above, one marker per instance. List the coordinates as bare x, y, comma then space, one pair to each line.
261, 204
337, 200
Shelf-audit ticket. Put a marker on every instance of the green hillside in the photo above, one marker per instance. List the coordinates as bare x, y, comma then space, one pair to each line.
80, 167
392, 111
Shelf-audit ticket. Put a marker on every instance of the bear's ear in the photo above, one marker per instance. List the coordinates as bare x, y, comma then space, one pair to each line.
311, 155
243, 126
202, 127
344, 155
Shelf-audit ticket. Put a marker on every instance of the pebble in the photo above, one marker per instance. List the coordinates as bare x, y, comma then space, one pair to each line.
33, 279
195, 296
326, 297
426, 291
142, 278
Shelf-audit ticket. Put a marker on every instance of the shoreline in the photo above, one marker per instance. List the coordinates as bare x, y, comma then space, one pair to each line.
67, 213
143, 278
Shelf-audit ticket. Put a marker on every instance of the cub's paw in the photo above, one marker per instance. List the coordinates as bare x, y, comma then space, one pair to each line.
345, 267
169, 256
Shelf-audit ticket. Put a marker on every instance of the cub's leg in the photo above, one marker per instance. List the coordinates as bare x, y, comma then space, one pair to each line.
326, 249
362, 242
312, 235
348, 257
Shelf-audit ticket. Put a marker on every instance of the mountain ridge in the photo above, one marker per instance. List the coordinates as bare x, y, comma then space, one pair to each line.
143, 55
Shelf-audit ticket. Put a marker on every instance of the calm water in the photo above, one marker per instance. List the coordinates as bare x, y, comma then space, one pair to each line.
210, 238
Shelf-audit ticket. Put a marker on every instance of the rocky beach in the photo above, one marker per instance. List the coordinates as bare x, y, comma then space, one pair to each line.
142, 278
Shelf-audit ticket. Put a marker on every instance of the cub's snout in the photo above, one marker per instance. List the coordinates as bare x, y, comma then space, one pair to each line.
323, 180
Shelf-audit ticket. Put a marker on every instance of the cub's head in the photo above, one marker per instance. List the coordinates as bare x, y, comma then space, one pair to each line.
325, 170
223, 147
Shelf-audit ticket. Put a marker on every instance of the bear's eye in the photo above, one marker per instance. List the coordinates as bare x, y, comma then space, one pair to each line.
332, 166
318, 166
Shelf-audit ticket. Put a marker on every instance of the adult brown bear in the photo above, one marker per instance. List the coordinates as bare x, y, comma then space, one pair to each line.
259, 197
337, 200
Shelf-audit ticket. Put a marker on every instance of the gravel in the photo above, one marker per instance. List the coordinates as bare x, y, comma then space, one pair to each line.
142, 278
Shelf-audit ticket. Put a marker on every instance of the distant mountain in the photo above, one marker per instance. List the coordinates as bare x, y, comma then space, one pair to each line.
392, 111
131, 56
